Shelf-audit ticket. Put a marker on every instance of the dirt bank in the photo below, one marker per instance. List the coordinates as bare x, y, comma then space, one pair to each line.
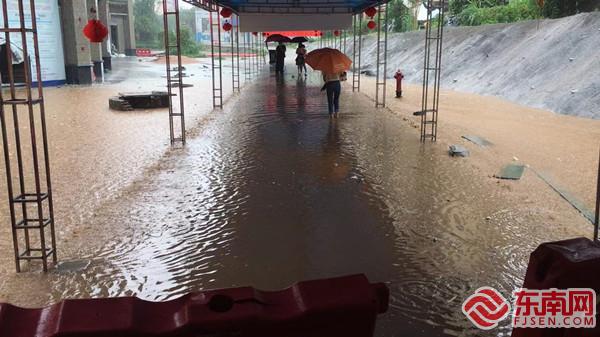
550, 64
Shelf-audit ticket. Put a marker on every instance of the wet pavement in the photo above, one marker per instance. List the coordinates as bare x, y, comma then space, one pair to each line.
270, 191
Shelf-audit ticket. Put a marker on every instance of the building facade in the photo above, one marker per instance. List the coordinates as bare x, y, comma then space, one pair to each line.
66, 55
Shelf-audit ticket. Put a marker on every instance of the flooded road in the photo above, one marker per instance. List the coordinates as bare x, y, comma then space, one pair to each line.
270, 191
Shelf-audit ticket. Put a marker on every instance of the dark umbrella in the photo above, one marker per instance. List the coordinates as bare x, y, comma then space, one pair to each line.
299, 39
278, 38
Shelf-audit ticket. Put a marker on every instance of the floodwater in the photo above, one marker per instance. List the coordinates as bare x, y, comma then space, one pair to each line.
269, 191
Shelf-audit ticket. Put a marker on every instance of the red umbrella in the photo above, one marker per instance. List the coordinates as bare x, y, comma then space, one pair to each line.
328, 60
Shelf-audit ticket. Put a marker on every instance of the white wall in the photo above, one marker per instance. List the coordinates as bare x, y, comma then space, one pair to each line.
49, 37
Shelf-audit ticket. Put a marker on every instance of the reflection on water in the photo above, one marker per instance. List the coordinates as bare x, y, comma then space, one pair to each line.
271, 192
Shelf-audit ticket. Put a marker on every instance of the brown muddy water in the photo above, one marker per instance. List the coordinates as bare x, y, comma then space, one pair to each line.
269, 191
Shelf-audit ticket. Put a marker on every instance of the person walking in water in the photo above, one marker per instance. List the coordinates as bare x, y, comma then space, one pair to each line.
300, 62
279, 58
333, 88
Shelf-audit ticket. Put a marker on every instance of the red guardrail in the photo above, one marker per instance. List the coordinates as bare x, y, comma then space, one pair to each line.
143, 52
338, 307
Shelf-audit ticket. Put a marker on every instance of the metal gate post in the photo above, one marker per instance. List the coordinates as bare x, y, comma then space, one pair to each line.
263, 53
235, 59
381, 65
217, 65
597, 223
259, 51
177, 79
256, 42
253, 53
247, 75
35, 249
433, 41
356, 51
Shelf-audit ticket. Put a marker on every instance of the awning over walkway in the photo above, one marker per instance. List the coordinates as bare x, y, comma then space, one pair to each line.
292, 6
269, 15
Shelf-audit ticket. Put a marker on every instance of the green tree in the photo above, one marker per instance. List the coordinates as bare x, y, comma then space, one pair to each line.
516, 10
400, 16
457, 6
148, 25
561, 8
189, 46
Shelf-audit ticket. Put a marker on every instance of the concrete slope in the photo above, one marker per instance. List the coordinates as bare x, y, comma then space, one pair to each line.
550, 64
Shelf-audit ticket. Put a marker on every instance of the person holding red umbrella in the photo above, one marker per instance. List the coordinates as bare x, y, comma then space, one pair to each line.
333, 88
333, 64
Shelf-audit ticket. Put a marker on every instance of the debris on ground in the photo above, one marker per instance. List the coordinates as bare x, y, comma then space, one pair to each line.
140, 100
183, 85
72, 266
478, 140
458, 150
568, 196
511, 171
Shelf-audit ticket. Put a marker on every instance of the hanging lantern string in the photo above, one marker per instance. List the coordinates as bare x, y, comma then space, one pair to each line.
371, 11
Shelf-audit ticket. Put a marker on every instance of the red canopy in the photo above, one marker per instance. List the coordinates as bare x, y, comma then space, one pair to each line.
294, 33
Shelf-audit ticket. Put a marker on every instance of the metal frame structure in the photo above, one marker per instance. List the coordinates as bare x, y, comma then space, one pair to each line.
257, 44
216, 66
432, 69
253, 58
176, 111
597, 223
235, 59
381, 62
24, 219
263, 52
356, 51
247, 62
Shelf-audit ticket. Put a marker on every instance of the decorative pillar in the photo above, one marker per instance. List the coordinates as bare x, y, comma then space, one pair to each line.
78, 59
105, 47
95, 48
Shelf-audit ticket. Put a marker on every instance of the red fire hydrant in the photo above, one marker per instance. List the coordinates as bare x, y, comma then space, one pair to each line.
398, 76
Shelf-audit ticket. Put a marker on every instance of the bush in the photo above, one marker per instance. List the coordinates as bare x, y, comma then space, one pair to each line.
516, 10
559, 8
189, 47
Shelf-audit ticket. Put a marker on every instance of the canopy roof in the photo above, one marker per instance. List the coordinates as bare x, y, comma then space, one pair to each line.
289, 6
295, 33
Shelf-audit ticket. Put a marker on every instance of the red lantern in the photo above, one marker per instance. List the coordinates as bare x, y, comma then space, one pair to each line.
336, 32
371, 11
95, 31
255, 33
227, 26
226, 12
264, 34
371, 24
